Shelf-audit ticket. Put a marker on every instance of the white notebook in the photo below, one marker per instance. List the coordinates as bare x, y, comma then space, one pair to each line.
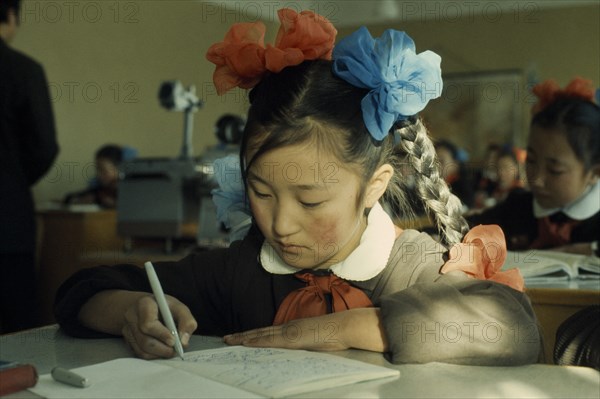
548, 266
229, 372
274, 372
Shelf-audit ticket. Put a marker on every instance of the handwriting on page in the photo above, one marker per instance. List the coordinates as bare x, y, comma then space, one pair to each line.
278, 372
267, 367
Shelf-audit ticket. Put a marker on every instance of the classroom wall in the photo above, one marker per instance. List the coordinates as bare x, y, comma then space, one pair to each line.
105, 61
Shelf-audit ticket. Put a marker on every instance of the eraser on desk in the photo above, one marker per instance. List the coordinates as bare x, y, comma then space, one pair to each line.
15, 377
70, 378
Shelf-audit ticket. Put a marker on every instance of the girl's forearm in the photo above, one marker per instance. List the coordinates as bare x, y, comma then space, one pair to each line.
363, 329
105, 311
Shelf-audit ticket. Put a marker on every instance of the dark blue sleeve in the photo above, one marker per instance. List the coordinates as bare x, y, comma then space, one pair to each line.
226, 289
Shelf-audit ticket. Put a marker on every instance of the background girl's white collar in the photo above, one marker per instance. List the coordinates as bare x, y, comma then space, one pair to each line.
584, 207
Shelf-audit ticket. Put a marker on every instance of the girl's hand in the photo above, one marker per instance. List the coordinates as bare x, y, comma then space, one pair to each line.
147, 336
323, 333
356, 328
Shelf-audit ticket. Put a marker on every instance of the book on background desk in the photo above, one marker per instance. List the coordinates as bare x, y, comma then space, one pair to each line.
75, 208
227, 372
538, 266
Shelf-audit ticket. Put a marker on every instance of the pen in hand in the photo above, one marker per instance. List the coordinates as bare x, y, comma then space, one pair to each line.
159, 295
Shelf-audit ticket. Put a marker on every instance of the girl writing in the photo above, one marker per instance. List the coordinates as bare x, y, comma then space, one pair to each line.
562, 210
323, 266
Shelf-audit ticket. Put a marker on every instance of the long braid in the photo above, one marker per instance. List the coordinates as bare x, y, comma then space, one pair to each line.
439, 202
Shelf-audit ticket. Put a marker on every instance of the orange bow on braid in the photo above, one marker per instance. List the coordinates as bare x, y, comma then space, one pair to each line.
481, 255
242, 59
548, 91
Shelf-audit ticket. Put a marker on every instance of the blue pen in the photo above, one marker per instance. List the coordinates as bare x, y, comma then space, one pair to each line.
159, 295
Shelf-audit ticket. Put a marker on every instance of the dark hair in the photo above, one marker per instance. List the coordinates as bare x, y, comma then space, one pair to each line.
6, 5
111, 152
579, 119
307, 103
492, 147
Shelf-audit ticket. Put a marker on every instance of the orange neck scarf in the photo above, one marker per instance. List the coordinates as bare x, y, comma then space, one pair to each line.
311, 300
553, 233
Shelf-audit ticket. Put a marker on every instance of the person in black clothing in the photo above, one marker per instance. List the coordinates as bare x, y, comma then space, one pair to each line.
28, 148
562, 210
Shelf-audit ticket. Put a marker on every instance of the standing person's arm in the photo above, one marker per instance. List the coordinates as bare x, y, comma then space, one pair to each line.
38, 144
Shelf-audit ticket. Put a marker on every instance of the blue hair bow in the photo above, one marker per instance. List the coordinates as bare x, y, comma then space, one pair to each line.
401, 81
233, 209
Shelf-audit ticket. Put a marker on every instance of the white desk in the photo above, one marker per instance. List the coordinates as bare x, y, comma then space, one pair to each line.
47, 346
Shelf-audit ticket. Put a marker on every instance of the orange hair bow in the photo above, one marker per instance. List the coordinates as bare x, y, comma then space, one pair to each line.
481, 255
548, 91
241, 59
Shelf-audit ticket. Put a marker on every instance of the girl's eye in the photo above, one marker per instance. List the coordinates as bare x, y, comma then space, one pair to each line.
556, 172
259, 194
310, 205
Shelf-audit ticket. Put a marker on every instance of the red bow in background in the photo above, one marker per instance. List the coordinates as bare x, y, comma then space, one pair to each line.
549, 91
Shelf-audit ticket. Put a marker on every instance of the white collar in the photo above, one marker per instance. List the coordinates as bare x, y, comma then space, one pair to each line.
365, 262
584, 207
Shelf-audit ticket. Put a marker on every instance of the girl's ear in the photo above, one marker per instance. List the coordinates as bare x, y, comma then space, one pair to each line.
378, 184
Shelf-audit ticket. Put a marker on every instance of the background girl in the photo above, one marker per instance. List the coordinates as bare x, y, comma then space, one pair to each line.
103, 189
562, 210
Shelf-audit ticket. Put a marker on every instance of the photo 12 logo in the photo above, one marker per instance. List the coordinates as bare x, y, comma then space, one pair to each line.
228, 12
93, 92
467, 11
126, 12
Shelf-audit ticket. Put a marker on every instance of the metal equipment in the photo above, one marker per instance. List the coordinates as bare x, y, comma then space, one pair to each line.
169, 198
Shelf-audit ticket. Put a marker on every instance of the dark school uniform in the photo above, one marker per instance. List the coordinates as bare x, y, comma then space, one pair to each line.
517, 219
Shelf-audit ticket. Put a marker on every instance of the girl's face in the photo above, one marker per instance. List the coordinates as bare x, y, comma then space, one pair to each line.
448, 166
107, 172
305, 203
556, 176
508, 171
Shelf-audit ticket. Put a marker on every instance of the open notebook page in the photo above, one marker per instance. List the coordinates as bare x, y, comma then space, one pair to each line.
137, 378
275, 372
